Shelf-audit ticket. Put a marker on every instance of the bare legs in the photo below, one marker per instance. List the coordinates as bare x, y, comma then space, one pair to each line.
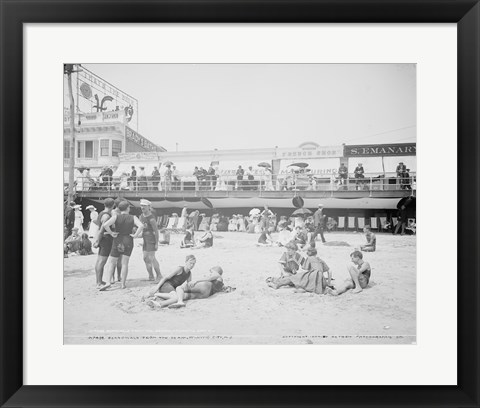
152, 264
352, 283
112, 262
99, 265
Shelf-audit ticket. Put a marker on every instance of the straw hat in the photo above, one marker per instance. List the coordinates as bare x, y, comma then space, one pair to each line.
90, 207
145, 202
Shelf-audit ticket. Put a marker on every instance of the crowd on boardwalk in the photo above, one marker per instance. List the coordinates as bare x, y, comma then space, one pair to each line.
260, 178
113, 231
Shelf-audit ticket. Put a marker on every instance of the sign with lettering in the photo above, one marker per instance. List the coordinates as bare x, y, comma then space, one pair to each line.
396, 149
315, 152
139, 140
139, 156
96, 95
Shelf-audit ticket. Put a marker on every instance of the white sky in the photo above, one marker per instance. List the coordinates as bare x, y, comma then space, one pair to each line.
242, 106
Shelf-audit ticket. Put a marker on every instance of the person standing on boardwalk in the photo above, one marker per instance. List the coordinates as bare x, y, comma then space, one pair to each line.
150, 239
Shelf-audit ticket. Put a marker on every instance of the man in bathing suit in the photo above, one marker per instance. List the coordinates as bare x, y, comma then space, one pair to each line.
360, 272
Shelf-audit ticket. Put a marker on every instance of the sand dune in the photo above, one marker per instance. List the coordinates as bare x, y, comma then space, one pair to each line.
254, 313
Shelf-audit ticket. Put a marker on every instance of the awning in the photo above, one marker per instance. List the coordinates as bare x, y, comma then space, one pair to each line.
318, 167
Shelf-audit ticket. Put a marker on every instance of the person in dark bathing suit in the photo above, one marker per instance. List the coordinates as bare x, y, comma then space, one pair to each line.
150, 239
201, 289
176, 278
360, 272
122, 241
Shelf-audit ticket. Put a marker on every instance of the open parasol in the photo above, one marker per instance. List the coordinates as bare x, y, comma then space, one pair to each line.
301, 211
264, 164
254, 211
168, 163
297, 202
207, 202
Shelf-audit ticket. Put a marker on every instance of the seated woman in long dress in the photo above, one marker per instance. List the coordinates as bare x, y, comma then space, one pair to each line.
232, 224
309, 278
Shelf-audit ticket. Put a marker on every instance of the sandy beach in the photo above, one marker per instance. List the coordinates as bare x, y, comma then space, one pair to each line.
384, 313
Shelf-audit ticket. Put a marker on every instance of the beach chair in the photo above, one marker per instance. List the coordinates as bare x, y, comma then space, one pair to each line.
361, 222
204, 223
165, 221
171, 222
384, 224
351, 222
373, 223
412, 225
341, 223
181, 223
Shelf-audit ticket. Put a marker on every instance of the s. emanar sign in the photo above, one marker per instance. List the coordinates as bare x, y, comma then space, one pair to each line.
397, 149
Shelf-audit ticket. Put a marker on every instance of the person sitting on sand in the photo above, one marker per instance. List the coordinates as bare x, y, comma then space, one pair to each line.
206, 240
265, 238
360, 272
177, 277
284, 236
291, 260
188, 240
86, 245
371, 240
310, 278
201, 289
300, 237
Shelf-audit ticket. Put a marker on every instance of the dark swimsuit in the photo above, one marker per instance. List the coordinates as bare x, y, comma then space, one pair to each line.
179, 279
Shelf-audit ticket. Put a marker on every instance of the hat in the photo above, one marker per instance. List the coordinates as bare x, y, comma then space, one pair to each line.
145, 202
90, 206
320, 205
141, 167
77, 206
72, 204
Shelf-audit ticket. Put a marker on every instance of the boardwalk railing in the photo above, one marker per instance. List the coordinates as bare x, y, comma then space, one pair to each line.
231, 183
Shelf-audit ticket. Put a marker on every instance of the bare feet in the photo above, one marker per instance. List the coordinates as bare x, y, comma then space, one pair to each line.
357, 290
177, 305
104, 287
123, 286
330, 291
300, 290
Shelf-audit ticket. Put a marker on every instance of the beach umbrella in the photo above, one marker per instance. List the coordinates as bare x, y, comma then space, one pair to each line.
264, 164
407, 202
301, 165
254, 211
167, 163
301, 211
297, 202
207, 202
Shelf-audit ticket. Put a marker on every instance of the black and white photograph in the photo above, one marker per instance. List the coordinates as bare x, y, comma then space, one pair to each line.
239, 204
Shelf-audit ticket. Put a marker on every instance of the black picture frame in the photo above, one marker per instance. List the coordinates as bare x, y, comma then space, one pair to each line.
465, 13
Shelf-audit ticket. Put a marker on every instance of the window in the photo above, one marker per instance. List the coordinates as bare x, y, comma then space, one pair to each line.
85, 150
66, 149
80, 149
89, 149
116, 147
104, 147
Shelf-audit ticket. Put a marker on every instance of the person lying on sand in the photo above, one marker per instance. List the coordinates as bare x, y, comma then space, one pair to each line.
310, 278
360, 272
201, 289
371, 240
177, 277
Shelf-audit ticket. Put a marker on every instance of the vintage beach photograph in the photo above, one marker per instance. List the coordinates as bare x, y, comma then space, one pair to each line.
253, 204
